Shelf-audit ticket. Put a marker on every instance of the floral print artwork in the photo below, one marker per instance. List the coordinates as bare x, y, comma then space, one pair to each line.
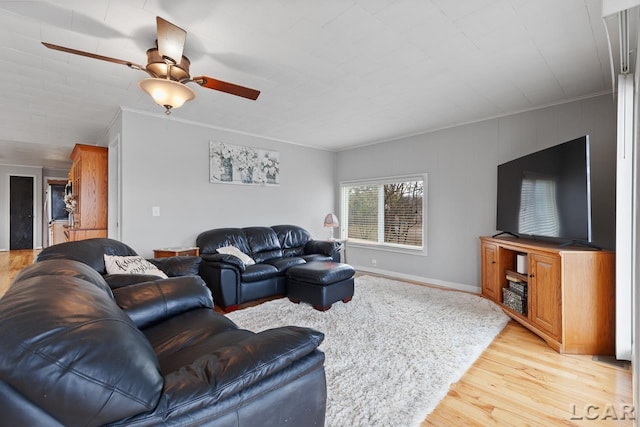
236, 164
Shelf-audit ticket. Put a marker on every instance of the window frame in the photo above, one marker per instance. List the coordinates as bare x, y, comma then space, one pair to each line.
383, 246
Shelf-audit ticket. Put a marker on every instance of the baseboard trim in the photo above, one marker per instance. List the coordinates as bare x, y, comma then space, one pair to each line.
420, 279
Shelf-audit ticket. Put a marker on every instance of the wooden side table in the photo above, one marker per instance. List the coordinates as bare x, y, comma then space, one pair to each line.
167, 252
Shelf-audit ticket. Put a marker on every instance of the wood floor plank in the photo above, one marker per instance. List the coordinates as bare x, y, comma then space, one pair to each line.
11, 262
517, 381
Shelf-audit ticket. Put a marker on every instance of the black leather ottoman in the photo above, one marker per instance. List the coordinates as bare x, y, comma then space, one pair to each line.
320, 283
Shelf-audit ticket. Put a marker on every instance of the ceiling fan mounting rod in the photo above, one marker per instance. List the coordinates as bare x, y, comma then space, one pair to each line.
169, 60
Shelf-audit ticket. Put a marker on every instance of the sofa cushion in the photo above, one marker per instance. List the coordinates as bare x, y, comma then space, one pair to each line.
148, 303
232, 250
223, 260
283, 264
256, 272
89, 251
116, 281
175, 266
88, 364
292, 239
231, 368
116, 264
209, 241
183, 338
63, 267
263, 242
259, 356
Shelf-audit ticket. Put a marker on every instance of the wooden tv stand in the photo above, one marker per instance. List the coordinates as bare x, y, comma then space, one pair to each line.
571, 292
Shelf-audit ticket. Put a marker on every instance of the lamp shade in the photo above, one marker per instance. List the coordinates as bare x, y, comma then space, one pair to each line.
331, 221
167, 93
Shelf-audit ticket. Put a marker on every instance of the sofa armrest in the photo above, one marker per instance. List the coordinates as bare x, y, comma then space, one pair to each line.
224, 259
177, 266
324, 247
148, 303
118, 280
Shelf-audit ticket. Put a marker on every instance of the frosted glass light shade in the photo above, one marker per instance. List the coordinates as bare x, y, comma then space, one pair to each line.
331, 221
167, 93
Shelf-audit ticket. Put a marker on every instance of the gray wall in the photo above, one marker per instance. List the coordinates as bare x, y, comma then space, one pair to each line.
165, 163
461, 165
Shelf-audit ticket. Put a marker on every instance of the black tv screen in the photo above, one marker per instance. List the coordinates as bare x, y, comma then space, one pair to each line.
547, 194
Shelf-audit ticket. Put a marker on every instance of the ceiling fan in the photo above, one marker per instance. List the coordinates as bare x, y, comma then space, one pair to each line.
168, 69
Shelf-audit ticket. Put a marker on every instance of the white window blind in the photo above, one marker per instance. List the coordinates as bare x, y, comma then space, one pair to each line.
387, 211
538, 207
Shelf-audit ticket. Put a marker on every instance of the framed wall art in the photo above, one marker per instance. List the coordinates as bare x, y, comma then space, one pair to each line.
238, 164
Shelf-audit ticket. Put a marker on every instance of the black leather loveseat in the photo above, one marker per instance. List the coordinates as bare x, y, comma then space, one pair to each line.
75, 352
273, 249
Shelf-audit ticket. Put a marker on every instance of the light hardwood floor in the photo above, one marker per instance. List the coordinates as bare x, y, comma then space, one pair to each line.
11, 262
517, 381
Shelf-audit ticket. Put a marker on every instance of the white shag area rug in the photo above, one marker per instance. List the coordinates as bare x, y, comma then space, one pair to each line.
393, 351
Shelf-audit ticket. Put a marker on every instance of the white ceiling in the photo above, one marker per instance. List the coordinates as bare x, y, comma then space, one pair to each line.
333, 73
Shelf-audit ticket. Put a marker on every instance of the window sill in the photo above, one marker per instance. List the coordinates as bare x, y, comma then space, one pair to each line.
387, 248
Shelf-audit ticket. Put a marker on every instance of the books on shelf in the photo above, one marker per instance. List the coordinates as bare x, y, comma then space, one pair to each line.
514, 301
517, 284
515, 295
518, 287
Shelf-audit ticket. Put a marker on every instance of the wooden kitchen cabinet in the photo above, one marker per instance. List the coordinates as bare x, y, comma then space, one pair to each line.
89, 180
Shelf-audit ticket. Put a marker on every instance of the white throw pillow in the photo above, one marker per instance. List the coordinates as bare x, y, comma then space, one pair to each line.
131, 265
232, 250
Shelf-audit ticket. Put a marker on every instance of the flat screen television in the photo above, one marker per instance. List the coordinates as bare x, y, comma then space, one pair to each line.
547, 194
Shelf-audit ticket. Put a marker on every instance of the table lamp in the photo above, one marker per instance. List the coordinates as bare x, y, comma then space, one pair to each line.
331, 222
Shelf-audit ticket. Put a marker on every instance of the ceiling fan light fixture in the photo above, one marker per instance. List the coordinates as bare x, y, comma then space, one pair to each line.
167, 93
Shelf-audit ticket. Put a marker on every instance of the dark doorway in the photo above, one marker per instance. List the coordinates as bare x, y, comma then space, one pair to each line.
20, 212
57, 202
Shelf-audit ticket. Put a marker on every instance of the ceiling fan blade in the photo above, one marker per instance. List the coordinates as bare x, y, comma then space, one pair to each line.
94, 56
231, 88
171, 40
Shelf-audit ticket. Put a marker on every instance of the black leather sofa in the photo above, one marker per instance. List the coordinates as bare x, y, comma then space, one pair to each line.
274, 249
77, 353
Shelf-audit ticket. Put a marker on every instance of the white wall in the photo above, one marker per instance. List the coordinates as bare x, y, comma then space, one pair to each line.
165, 163
461, 163
5, 172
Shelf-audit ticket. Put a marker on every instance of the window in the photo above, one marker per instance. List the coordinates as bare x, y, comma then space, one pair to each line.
387, 212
